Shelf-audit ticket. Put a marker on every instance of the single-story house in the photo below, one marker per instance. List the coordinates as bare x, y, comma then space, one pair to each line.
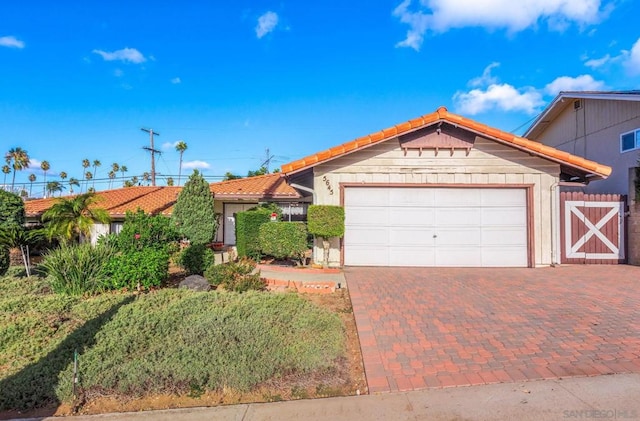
230, 197
442, 190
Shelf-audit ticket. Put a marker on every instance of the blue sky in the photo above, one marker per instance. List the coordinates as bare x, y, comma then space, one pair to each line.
232, 79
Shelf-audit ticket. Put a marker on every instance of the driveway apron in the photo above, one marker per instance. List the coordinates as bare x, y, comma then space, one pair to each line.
441, 327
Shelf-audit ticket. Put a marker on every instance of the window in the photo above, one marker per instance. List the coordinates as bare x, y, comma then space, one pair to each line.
630, 140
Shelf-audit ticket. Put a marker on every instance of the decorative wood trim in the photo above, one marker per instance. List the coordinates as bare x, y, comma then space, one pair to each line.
529, 203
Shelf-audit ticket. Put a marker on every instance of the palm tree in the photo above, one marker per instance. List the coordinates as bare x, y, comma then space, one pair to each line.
115, 167
44, 165
20, 159
63, 175
112, 175
54, 186
96, 164
123, 169
73, 182
170, 181
17, 237
181, 146
146, 177
87, 176
32, 178
6, 170
85, 165
72, 217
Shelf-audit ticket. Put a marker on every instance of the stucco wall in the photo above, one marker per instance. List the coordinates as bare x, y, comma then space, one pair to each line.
487, 163
593, 132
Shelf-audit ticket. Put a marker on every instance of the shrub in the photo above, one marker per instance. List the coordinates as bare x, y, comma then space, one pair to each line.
196, 258
236, 276
283, 239
248, 231
325, 220
76, 269
141, 231
11, 209
193, 211
144, 268
4, 260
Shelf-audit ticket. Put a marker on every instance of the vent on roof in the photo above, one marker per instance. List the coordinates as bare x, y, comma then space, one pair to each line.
577, 104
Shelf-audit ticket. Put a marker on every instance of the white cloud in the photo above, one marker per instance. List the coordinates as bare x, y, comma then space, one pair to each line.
438, 16
632, 59
11, 42
503, 96
118, 73
486, 78
579, 83
176, 80
266, 23
169, 145
196, 164
596, 63
126, 54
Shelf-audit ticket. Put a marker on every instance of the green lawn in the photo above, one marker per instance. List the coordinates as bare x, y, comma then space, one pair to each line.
168, 341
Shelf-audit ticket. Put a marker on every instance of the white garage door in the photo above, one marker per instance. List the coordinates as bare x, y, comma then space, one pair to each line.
416, 226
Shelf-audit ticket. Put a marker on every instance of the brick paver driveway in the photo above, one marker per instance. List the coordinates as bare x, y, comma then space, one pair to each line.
424, 327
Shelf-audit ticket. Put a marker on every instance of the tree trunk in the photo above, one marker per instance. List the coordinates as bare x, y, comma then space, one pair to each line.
325, 246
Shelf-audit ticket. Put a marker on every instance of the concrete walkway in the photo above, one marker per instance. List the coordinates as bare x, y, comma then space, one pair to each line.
602, 397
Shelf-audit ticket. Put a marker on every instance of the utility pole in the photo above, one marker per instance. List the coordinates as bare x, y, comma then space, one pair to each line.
153, 153
268, 160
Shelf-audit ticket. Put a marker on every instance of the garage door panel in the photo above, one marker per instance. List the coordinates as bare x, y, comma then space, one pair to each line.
403, 237
504, 256
412, 216
465, 236
368, 255
462, 216
436, 227
359, 236
458, 256
370, 196
516, 216
513, 236
367, 216
457, 197
505, 197
412, 197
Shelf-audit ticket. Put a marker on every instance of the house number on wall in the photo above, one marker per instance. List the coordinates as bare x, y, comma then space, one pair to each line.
328, 183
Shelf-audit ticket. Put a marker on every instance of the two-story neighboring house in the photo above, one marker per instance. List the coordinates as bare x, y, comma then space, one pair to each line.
600, 126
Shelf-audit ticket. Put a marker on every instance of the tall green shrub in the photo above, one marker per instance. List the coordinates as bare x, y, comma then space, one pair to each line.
196, 258
325, 221
11, 210
76, 269
248, 230
283, 240
193, 212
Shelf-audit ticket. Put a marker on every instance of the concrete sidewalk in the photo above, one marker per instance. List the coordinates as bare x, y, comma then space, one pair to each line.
604, 397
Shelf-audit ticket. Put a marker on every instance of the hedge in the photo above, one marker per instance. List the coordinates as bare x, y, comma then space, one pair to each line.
248, 229
283, 239
325, 221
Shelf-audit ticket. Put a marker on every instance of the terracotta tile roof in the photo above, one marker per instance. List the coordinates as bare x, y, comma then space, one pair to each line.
117, 202
442, 115
271, 186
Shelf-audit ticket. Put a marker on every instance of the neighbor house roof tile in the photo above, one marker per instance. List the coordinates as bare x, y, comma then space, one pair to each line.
443, 115
270, 186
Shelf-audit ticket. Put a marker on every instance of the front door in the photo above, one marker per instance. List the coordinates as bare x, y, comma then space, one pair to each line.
229, 229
